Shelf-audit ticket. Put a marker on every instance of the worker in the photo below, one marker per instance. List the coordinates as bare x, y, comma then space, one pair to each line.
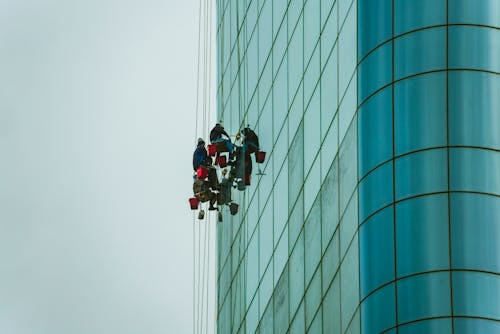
250, 141
200, 155
216, 137
201, 190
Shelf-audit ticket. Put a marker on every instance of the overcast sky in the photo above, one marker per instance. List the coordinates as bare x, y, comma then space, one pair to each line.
97, 103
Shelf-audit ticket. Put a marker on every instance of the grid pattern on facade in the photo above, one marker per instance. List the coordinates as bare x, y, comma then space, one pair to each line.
284, 260
374, 95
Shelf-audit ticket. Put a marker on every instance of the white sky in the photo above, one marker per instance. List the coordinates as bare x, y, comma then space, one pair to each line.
97, 102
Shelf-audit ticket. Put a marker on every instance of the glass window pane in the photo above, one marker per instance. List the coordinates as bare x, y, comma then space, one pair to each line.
486, 12
474, 109
476, 294
347, 50
349, 224
311, 27
329, 33
466, 326
420, 112
331, 308
375, 71
330, 204
348, 159
375, 191
422, 234
378, 311
424, 296
374, 24
475, 170
298, 325
375, 131
475, 228
329, 98
312, 229
413, 176
434, 326
296, 166
420, 52
297, 274
313, 297
349, 282
330, 261
465, 43
281, 294
410, 15
376, 251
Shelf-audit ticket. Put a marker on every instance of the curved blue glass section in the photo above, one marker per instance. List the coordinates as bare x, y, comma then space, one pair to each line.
375, 71
413, 176
474, 48
378, 311
375, 121
433, 326
474, 109
484, 12
466, 326
420, 112
476, 294
374, 24
375, 191
376, 251
418, 52
475, 231
424, 296
422, 234
411, 15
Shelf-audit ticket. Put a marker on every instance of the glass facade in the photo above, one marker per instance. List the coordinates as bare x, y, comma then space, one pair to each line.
379, 207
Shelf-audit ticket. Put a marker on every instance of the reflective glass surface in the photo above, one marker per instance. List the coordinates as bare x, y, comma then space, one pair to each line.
420, 112
377, 251
475, 170
474, 109
374, 24
378, 311
422, 234
476, 294
433, 326
465, 326
375, 121
375, 71
466, 41
375, 191
413, 177
486, 12
424, 296
475, 231
411, 15
420, 52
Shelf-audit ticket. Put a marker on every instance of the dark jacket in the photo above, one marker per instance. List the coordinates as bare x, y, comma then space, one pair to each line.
250, 138
199, 156
217, 133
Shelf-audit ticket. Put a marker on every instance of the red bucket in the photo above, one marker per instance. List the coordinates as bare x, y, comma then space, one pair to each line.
193, 203
247, 179
260, 156
233, 208
212, 149
202, 173
221, 161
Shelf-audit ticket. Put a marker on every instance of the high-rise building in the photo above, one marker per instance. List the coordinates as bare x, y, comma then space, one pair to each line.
378, 206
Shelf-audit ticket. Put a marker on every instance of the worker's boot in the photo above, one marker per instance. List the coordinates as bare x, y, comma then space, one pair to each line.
201, 214
220, 217
211, 207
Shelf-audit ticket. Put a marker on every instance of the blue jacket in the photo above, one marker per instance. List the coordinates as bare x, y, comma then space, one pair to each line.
199, 156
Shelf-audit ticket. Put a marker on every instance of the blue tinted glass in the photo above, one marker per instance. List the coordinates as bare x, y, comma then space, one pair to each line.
375, 131
465, 43
485, 12
420, 112
476, 294
374, 24
466, 326
475, 231
413, 176
434, 326
378, 312
475, 170
375, 191
376, 251
422, 234
375, 71
411, 15
420, 52
424, 296
474, 109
